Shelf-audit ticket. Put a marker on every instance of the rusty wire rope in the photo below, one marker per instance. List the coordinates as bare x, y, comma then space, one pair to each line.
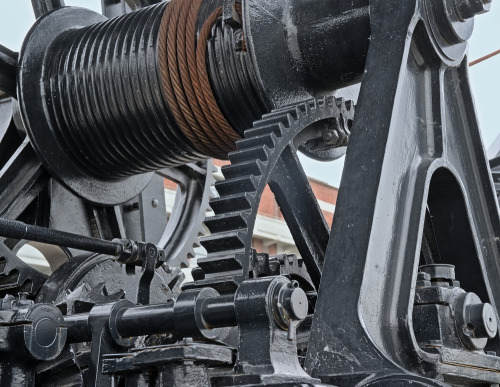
185, 78
482, 59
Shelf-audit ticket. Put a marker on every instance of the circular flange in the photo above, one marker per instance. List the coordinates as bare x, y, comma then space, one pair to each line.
476, 322
45, 338
449, 30
35, 102
187, 311
116, 312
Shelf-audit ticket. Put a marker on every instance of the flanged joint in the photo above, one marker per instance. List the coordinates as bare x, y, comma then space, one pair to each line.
188, 314
476, 321
115, 312
452, 23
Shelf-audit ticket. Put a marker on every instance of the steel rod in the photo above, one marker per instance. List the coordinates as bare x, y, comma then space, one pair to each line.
219, 312
78, 326
19, 230
146, 320
215, 312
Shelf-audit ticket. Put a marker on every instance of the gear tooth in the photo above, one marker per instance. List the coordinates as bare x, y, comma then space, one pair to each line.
221, 262
16, 275
246, 177
248, 154
268, 139
234, 202
224, 241
237, 185
226, 222
191, 254
340, 102
253, 167
180, 262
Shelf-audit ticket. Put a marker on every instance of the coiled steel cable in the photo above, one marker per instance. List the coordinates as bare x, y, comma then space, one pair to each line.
133, 94
233, 77
185, 78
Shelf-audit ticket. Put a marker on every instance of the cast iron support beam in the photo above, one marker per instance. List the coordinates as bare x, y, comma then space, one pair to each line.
8, 67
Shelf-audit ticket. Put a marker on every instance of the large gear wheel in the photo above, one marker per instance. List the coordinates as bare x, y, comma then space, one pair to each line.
30, 194
268, 155
57, 208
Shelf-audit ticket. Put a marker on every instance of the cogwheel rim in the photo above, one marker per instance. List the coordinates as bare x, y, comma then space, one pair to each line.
191, 204
229, 245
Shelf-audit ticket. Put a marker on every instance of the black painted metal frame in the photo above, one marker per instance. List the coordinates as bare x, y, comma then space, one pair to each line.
418, 148
415, 159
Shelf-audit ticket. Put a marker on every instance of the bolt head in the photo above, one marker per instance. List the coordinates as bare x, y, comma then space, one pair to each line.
328, 136
188, 340
469, 8
439, 272
151, 251
22, 296
422, 276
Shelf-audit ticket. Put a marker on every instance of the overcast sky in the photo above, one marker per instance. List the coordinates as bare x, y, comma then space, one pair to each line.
17, 17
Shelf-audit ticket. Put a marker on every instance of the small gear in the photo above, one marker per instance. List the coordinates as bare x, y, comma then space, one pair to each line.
264, 265
329, 139
85, 275
85, 281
